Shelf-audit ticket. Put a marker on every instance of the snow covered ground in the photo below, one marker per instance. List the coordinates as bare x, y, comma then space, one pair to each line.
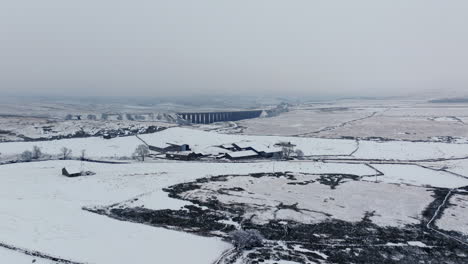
8, 256
398, 120
42, 210
404, 150
206, 142
95, 147
302, 120
455, 166
200, 141
455, 217
21, 128
315, 202
416, 175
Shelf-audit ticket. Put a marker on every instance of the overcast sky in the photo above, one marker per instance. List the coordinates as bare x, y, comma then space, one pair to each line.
184, 47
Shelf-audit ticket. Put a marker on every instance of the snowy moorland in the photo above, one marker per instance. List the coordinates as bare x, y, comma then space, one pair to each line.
398, 195
411, 120
36, 128
209, 142
42, 211
45, 213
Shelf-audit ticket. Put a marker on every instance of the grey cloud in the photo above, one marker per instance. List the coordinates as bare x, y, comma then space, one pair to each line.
262, 46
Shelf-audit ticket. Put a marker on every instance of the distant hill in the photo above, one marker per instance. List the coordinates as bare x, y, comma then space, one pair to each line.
450, 100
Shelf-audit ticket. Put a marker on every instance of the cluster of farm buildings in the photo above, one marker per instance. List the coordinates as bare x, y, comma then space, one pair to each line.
234, 151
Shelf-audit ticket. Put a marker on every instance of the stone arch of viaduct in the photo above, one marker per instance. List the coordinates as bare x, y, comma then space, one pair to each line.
211, 117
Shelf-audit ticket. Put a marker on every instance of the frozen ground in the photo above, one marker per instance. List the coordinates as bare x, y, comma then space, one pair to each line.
199, 141
45, 213
455, 217
397, 120
404, 150
207, 142
356, 192
34, 128
96, 147
418, 176
272, 198
459, 167
301, 120
8, 256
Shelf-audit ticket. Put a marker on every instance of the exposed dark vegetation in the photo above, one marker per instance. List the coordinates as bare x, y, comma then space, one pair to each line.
105, 133
332, 241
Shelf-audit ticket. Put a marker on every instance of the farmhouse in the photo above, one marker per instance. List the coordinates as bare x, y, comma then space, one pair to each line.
269, 152
244, 145
228, 147
246, 154
166, 147
76, 174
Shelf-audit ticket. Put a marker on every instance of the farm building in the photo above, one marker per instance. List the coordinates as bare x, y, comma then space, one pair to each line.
244, 145
166, 147
183, 155
261, 150
76, 174
228, 147
245, 154
270, 152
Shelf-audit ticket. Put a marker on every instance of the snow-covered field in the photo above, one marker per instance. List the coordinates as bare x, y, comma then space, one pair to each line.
206, 142
21, 128
42, 210
199, 141
456, 166
455, 217
418, 176
202, 141
96, 147
12, 257
404, 150
392, 205
302, 121
397, 120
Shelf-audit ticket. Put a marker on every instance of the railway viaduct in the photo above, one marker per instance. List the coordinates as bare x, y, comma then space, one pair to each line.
211, 117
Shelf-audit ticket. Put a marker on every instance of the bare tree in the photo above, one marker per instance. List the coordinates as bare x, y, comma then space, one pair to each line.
36, 152
246, 238
141, 152
299, 154
286, 149
65, 152
83, 154
26, 156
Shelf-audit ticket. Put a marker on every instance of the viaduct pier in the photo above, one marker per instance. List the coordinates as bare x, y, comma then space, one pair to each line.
211, 117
